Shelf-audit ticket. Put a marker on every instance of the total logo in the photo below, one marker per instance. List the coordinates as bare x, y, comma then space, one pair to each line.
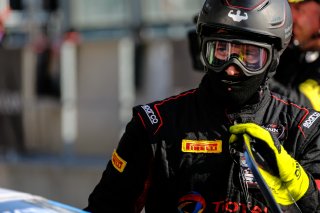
150, 113
195, 203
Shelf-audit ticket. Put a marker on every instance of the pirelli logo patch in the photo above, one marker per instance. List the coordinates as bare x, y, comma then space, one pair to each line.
117, 162
201, 146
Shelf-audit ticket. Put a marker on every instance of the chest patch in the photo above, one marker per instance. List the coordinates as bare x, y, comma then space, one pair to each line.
278, 130
201, 146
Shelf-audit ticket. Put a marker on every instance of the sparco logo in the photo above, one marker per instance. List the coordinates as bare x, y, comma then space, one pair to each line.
152, 117
311, 119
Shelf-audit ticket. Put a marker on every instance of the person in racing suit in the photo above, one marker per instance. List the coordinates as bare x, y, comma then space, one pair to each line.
298, 75
185, 153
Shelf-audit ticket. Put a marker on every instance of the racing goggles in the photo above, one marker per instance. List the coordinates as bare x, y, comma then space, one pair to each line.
252, 57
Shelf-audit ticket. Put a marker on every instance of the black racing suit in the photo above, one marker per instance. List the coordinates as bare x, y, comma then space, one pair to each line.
295, 68
175, 157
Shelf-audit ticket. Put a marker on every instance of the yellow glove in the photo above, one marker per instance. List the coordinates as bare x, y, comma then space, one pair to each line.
288, 181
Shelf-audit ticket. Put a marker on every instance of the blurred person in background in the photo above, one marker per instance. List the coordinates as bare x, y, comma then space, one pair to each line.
12, 142
185, 153
298, 75
47, 64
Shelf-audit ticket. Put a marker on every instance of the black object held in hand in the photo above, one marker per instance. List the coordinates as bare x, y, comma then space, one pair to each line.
265, 190
264, 156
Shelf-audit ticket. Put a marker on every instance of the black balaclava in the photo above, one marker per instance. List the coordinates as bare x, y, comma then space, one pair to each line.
234, 92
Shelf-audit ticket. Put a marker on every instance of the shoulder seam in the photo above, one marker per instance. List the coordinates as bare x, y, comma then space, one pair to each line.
167, 100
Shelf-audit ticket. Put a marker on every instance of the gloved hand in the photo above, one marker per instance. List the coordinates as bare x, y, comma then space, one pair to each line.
288, 181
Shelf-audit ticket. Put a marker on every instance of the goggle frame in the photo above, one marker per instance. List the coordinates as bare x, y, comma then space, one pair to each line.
234, 60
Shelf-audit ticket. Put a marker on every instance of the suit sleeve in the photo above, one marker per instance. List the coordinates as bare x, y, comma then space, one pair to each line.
310, 161
124, 183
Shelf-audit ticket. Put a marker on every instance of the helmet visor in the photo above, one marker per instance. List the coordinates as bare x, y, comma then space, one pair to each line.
252, 57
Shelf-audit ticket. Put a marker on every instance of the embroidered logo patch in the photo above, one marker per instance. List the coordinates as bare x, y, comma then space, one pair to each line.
201, 146
150, 113
278, 130
118, 163
311, 119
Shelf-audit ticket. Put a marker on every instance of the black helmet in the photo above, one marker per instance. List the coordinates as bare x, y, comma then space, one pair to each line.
267, 21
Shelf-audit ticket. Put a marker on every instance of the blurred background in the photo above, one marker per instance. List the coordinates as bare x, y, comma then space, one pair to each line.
70, 72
